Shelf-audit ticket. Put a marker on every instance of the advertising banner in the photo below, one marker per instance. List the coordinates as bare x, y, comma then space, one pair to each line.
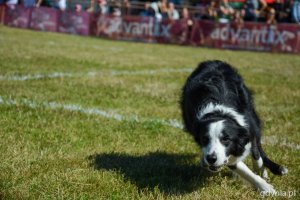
17, 16
74, 22
44, 19
2, 13
125, 28
251, 36
245, 36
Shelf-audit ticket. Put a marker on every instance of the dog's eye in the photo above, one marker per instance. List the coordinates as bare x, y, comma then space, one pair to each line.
225, 139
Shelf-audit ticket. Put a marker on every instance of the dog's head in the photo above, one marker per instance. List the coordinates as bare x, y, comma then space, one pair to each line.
222, 141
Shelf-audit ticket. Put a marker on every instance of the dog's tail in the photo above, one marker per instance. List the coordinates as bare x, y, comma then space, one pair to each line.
274, 167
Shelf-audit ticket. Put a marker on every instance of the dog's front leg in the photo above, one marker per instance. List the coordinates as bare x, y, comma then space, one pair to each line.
258, 182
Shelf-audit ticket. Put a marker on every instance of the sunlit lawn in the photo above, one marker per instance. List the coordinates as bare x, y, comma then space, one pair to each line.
59, 154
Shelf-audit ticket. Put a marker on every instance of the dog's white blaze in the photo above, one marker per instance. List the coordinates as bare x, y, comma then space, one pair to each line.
214, 145
210, 107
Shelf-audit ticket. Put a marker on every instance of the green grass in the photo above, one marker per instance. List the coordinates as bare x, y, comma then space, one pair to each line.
58, 154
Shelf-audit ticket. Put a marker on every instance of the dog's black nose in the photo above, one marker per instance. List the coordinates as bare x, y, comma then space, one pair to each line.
212, 158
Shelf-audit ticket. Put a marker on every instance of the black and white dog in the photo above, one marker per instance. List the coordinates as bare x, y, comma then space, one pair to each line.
218, 110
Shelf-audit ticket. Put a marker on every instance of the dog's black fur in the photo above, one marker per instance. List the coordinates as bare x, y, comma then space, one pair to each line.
218, 83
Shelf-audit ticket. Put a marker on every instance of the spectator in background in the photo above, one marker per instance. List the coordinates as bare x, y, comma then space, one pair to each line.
252, 10
92, 7
11, 3
232, 10
186, 24
282, 8
226, 11
157, 14
148, 12
29, 3
103, 7
212, 9
269, 11
163, 9
295, 11
115, 8
98, 6
59, 4
172, 12
47, 3
78, 8
126, 7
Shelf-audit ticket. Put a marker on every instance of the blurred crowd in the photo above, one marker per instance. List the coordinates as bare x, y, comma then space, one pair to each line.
269, 11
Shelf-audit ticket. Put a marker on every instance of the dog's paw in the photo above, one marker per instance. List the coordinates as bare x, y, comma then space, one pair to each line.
264, 174
284, 170
266, 187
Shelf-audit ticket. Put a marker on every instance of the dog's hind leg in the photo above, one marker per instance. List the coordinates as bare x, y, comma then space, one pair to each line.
274, 167
258, 182
260, 168
259, 155
257, 162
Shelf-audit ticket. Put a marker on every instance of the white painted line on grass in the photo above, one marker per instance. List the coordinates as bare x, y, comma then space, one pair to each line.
112, 115
89, 111
36, 76
92, 73
282, 142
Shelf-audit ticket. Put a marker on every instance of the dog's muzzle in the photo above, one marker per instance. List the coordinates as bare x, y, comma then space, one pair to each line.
211, 168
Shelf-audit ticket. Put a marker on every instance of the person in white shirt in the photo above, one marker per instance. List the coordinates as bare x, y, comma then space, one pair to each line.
173, 13
62, 4
12, 2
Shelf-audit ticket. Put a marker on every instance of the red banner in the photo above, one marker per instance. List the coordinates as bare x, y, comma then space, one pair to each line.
2, 13
251, 36
141, 29
247, 36
44, 19
48, 19
74, 23
17, 16
125, 28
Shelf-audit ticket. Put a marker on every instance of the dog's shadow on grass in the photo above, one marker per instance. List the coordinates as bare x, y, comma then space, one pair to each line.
170, 173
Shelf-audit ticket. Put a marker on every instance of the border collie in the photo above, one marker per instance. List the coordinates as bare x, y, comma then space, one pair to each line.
218, 111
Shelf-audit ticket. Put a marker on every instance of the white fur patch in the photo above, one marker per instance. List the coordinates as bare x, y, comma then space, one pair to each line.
214, 145
260, 162
255, 180
210, 107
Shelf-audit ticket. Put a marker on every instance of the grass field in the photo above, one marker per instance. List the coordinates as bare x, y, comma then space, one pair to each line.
86, 118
